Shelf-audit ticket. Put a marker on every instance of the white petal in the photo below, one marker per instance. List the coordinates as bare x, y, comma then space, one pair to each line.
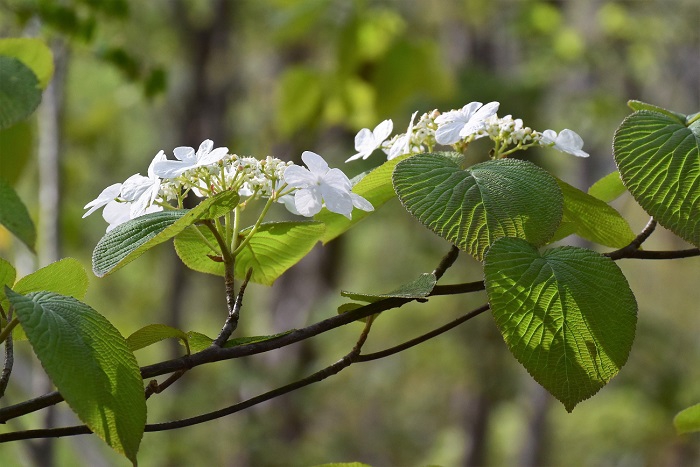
337, 179
107, 195
486, 111
316, 164
398, 148
308, 201
337, 200
365, 142
116, 213
360, 203
570, 142
549, 136
359, 155
288, 201
204, 148
299, 177
170, 169
134, 186
448, 133
185, 154
212, 157
160, 157
382, 132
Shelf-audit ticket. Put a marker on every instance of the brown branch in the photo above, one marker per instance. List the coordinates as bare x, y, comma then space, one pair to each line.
447, 261
232, 321
635, 244
155, 388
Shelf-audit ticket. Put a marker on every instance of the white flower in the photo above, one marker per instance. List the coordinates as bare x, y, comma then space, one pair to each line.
458, 124
367, 141
188, 159
403, 144
107, 196
116, 213
320, 184
566, 141
141, 191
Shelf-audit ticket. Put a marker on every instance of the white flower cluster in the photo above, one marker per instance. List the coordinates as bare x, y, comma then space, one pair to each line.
209, 171
458, 128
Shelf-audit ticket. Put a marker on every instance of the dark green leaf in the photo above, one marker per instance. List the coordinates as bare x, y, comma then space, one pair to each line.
34, 53
128, 241
90, 364
659, 161
19, 91
16, 147
419, 288
568, 315
7, 278
14, 215
471, 208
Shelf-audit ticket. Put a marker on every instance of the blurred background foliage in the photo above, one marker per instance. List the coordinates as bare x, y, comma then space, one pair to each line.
282, 76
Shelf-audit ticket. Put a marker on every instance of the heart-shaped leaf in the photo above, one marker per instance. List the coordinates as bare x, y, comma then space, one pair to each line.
128, 241
274, 248
90, 364
472, 208
658, 156
567, 315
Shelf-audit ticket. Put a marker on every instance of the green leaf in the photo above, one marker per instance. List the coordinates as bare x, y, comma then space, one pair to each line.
639, 106
153, 333
14, 215
567, 315
608, 188
34, 53
659, 162
273, 249
419, 288
375, 187
472, 208
688, 420
592, 219
90, 364
128, 241
300, 96
16, 143
199, 341
7, 278
19, 91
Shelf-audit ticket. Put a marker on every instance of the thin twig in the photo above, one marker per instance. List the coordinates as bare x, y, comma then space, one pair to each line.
9, 359
635, 244
155, 388
232, 321
653, 254
447, 261
215, 354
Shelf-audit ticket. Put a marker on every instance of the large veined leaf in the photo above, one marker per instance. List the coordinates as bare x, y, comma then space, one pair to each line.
19, 91
567, 315
90, 364
14, 215
592, 219
471, 208
273, 249
658, 156
375, 187
128, 241
34, 53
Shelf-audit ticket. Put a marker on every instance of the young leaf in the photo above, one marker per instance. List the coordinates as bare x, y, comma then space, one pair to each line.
471, 208
375, 187
19, 91
639, 106
149, 335
90, 364
567, 315
7, 278
592, 219
419, 288
128, 241
274, 248
688, 420
659, 161
199, 341
33, 53
14, 215
608, 188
